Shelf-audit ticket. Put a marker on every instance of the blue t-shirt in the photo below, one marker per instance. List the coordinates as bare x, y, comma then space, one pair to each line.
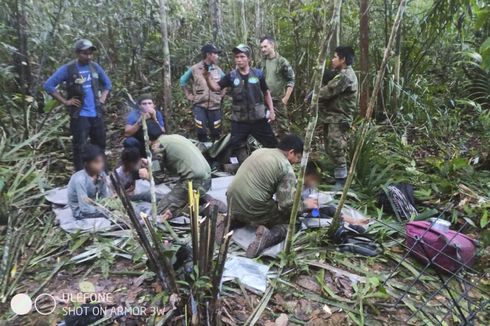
62, 75
134, 115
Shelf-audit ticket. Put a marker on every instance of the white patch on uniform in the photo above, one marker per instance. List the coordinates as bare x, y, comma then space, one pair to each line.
236, 82
253, 80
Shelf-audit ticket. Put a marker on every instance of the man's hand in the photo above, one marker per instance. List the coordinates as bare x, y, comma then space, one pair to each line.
272, 115
143, 173
190, 97
73, 102
103, 98
311, 203
167, 215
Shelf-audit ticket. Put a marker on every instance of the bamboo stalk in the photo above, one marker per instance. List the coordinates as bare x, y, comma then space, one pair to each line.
152, 184
366, 122
145, 243
310, 131
220, 265
171, 279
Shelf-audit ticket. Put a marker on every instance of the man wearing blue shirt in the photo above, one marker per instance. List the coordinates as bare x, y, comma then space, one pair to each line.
87, 87
206, 103
134, 130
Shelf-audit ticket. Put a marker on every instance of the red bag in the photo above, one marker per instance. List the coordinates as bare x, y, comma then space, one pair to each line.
447, 251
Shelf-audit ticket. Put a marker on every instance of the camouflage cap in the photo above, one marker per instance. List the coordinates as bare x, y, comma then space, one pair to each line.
242, 48
84, 44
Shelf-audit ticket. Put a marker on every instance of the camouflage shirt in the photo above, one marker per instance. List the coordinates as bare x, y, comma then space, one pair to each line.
337, 100
181, 158
266, 173
278, 75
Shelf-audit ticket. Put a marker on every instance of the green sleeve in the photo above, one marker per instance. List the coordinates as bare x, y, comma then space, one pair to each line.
334, 88
285, 191
289, 75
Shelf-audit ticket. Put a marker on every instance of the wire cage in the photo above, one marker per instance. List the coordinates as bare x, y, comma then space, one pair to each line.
442, 286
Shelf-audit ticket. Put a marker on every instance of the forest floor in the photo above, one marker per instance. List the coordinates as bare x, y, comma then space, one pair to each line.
322, 287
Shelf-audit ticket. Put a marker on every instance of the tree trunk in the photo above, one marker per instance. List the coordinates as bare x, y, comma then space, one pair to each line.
364, 64
167, 83
21, 57
366, 122
258, 19
244, 21
216, 20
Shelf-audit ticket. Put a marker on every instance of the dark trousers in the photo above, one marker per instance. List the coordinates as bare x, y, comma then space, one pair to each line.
259, 129
81, 129
207, 120
136, 143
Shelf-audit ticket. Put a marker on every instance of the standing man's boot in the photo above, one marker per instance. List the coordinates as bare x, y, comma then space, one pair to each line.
265, 238
339, 184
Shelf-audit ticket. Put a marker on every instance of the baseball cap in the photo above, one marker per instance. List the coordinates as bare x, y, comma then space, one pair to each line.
84, 44
242, 48
210, 48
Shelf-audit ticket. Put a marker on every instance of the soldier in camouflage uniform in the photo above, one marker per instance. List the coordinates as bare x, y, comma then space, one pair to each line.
337, 105
279, 76
267, 172
180, 158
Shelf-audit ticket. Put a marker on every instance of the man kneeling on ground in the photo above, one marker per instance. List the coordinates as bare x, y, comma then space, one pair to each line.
88, 184
267, 172
179, 157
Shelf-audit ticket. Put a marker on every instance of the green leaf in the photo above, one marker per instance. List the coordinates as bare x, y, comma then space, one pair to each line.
484, 219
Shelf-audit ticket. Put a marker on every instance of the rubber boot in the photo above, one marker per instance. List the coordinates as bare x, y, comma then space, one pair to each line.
339, 184
265, 238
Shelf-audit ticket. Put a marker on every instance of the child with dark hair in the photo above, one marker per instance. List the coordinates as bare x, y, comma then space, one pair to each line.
133, 167
337, 104
311, 180
88, 184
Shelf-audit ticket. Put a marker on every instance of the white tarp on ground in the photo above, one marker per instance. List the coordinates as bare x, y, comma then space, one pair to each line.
249, 272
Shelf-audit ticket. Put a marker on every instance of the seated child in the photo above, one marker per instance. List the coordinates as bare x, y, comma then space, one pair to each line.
133, 168
311, 181
88, 184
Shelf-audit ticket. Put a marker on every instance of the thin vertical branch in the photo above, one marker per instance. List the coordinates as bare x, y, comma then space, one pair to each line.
167, 83
310, 131
366, 123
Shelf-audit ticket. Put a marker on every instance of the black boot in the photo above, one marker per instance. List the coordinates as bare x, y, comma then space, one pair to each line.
339, 184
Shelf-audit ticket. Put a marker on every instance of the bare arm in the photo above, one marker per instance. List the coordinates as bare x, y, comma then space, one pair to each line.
103, 96
188, 94
70, 102
289, 91
130, 130
268, 103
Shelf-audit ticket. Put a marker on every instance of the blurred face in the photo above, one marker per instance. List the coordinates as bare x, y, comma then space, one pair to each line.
294, 157
267, 48
147, 106
337, 62
241, 60
96, 166
212, 58
85, 56
311, 181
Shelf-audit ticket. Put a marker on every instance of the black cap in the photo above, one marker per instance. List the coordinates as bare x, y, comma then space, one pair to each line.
210, 48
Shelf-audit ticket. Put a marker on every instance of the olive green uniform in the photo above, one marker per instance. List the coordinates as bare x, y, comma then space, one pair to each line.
181, 158
266, 173
337, 106
278, 75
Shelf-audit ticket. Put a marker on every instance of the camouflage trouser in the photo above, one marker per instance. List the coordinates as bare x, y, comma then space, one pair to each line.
273, 218
335, 137
281, 125
178, 197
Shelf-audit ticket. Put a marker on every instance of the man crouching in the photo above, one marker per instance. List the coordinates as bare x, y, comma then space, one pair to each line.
265, 173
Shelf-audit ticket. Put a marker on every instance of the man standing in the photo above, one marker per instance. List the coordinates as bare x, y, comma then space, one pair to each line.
206, 103
87, 87
250, 96
337, 105
279, 76
134, 130
265, 173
